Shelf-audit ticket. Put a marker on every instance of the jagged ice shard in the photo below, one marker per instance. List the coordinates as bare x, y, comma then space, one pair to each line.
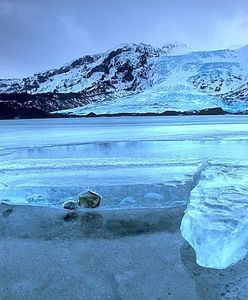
215, 223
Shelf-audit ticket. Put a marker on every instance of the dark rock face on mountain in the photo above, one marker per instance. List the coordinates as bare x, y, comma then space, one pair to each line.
239, 94
124, 68
212, 82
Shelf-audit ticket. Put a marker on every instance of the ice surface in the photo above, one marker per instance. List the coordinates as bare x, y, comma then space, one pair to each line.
216, 220
145, 162
131, 162
139, 162
148, 184
33, 134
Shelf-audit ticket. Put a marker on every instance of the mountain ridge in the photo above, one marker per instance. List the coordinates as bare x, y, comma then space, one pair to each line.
81, 74
137, 78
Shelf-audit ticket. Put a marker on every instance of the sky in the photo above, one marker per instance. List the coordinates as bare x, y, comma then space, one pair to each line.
38, 35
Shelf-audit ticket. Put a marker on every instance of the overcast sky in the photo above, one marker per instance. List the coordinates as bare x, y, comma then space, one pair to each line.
41, 34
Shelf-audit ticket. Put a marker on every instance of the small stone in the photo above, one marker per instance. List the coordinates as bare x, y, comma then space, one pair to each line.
89, 200
70, 205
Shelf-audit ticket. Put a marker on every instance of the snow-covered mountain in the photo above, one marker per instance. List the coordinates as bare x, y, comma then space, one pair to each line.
238, 95
188, 82
9, 85
123, 68
139, 78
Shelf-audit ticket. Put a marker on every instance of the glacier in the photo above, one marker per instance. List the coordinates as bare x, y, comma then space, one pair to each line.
189, 82
199, 163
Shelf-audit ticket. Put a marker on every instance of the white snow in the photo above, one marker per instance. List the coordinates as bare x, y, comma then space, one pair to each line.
157, 82
177, 81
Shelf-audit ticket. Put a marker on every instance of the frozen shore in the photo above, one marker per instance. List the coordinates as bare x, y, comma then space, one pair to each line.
133, 163
49, 253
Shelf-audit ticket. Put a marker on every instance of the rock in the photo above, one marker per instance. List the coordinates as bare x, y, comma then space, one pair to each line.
89, 200
70, 205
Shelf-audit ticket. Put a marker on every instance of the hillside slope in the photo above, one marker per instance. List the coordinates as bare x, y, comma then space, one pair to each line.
189, 82
137, 78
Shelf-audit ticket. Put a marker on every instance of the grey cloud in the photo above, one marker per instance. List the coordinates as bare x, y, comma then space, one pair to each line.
42, 34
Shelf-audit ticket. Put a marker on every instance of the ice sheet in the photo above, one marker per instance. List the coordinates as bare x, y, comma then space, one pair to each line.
132, 162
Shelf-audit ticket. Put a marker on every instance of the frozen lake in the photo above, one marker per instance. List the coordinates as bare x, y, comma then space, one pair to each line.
139, 162
130, 161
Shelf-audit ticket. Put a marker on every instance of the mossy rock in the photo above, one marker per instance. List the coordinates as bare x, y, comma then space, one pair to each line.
89, 200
